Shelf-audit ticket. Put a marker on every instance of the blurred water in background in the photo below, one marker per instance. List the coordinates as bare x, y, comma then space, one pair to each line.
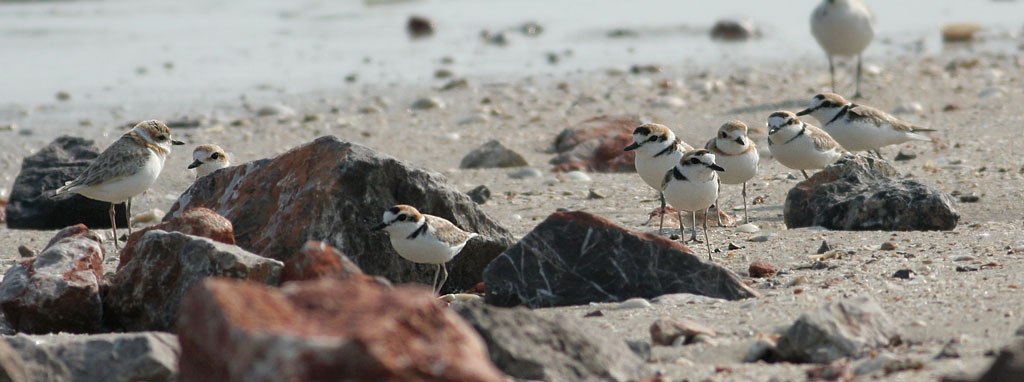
147, 52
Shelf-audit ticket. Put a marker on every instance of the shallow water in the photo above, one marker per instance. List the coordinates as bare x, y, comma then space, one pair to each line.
148, 54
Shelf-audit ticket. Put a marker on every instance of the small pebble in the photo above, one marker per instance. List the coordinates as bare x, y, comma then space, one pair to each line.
26, 251
905, 274
475, 118
748, 228
634, 303
591, 194
577, 176
148, 216
451, 137
909, 108
480, 195
275, 110
969, 198
427, 103
888, 246
63, 96
904, 155
825, 247
526, 172
762, 238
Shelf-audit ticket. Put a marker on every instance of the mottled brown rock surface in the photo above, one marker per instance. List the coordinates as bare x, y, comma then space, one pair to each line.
575, 258
325, 329
196, 222
59, 290
318, 259
334, 191
596, 145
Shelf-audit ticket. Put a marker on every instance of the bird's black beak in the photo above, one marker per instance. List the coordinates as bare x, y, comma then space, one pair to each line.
195, 163
632, 146
805, 111
739, 140
716, 167
379, 227
177, 143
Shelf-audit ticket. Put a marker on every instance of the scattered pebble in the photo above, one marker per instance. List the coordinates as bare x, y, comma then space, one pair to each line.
748, 228
577, 176
888, 246
63, 96
278, 110
904, 156
526, 172
762, 238
668, 102
991, 92
8, 127
25, 251
960, 32
480, 195
905, 274
734, 30
762, 269
594, 313
149, 216
591, 195
443, 73
825, 247
909, 108
427, 104
419, 26
969, 198
458, 83
634, 303
966, 269
451, 137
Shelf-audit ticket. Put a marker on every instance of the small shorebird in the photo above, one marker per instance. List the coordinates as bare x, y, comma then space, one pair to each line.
125, 169
859, 127
657, 151
424, 239
207, 159
843, 28
692, 185
800, 146
735, 152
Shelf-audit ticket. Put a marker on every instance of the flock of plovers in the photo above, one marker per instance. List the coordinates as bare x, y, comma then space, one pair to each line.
685, 177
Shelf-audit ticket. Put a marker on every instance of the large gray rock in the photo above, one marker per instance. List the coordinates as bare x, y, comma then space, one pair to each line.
334, 191
1008, 366
121, 357
59, 290
574, 258
859, 193
30, 205
847, 328
146, 292
493, 154
527, 346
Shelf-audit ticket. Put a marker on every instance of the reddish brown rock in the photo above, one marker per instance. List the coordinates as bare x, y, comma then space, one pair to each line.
597, 145
146, 292
761, 268
575, 258
59, 290
334, 191
317, 259
325, 330
196, 222
665, 331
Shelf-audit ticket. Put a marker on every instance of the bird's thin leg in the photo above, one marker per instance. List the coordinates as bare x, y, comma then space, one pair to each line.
661, 225
113, 226
857, 94
128, 215
682, 230
805, 174
693, 231
832, 72
706, 240
433, 285
444, 277
746, 218
718, 207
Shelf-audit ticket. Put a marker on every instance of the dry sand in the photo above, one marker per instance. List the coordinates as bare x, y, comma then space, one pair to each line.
978, 151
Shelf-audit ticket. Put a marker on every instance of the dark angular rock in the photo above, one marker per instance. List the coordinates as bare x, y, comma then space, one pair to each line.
317, 259
848, 328
334, 191
146, 292
121, 357
23, 361
491, 155
30, 205
596, 145
1008, 366
59, 290
196, 222
861, 193
575, 258
527, 346
480, 195
325, 330
904, 274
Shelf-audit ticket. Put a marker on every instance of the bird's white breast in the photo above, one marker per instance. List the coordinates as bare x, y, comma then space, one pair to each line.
800, 154
652, 169
738, 168
425, 248
843, 31
691, 195
120, 190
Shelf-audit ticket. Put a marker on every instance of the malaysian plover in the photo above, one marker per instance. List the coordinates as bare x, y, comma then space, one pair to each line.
657, 151
800, 146
207, 159
125, 169
735, 152
859, 127
692, 185
843, 28
424, 239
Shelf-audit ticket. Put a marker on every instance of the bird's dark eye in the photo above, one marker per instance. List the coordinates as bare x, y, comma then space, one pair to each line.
652, 138
215, 156
400, 218
694, 160
161, 137
724, 135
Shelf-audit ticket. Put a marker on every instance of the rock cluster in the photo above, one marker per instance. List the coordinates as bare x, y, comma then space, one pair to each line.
596, 145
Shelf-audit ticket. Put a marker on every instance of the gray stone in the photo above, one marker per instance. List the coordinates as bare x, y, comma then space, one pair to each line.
146, 292
277, 205
575, 258
493, 154
527, 346
848, 328
23, 361
480, 194
120, 357
734, 30
861, 193
1008, 366
427, 103
61, 161
528, 172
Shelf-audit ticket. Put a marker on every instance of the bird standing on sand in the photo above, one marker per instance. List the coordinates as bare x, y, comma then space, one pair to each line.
125, 169
692, 185
843, 28
735, 152
424, 239
657, 151
859, 127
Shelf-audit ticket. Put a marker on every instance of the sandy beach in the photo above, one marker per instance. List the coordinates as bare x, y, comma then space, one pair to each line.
971, 96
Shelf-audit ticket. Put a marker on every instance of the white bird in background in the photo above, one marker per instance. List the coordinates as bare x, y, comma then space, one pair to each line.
843, 28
